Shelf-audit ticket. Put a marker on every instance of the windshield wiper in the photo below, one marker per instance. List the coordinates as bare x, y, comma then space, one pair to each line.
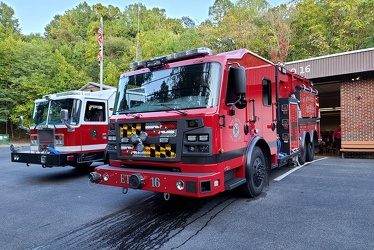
36, 124
174, 109
137, 115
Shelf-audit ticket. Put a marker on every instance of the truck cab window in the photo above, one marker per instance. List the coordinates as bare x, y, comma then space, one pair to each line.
266, 92
95, 112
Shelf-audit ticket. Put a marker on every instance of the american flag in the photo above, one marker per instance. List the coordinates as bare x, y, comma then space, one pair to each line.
100, 56
100, 36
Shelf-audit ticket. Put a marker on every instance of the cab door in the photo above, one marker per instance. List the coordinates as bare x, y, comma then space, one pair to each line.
94, 128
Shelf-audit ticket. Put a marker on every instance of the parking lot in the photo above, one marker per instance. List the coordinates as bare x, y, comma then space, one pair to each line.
327, 204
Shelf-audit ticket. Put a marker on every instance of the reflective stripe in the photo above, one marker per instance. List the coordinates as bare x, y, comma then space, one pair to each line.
83, 148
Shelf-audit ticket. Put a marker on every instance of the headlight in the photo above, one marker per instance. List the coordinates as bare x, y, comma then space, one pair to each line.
34, 140
191, 137
203, 137
59, 140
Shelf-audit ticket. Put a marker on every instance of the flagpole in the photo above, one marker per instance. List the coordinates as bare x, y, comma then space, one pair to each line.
102, 54
137, 40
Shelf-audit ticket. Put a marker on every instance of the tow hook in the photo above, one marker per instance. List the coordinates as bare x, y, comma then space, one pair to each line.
94, 177
166, 196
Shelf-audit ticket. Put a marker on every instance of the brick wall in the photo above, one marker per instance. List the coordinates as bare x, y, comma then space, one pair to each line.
357, 109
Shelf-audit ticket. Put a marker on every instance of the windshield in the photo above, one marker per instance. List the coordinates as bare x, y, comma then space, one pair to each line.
48, 112
179, 88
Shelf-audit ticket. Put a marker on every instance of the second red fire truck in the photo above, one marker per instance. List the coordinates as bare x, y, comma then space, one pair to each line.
197, 124
68, 129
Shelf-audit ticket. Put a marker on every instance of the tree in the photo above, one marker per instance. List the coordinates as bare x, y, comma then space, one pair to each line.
6, 105
331, 26
278, 27
111, 75
8, 23
73, 26
310, 28
187, 22
219, 10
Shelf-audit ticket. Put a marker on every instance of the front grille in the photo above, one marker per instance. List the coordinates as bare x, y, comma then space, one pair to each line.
151, 150
46, 138
160, 142
153, 129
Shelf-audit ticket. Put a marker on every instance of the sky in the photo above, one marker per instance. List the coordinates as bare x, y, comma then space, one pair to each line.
34, 15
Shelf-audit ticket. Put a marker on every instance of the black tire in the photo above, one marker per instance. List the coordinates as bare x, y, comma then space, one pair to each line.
310, 151
255, 171
303, 153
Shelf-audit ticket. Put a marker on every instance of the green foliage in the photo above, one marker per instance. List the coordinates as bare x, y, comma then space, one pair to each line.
111, 75
8, 23
331, 26
6, 104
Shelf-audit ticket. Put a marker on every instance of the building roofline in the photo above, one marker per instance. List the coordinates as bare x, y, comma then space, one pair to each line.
96, 85
332, 55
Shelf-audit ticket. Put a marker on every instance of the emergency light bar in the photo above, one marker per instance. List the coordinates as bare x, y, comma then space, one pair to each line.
162, 60
73, 92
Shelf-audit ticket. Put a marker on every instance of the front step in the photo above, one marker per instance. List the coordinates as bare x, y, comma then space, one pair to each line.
234, 182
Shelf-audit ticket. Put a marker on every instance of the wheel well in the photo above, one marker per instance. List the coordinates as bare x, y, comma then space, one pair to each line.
262, 144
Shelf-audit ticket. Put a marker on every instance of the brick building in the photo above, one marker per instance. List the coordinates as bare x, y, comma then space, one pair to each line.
345, 82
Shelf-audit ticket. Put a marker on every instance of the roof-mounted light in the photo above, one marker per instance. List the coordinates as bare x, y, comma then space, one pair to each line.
72, 92
156, 62
179, 56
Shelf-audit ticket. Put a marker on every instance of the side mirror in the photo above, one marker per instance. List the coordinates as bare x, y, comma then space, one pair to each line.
237, 75
64, 115
238, 80
21, 124
21, 121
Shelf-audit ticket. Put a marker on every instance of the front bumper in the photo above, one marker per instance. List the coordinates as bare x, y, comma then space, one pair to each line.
41, 159
194, 184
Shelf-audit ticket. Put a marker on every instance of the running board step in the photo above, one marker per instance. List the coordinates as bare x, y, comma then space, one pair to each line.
234, 182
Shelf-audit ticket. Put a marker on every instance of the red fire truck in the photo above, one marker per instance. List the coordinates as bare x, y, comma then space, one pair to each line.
68, 128
197, 124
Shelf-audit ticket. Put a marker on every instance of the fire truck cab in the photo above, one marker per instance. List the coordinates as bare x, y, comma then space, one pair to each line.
201, 124
68, 128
